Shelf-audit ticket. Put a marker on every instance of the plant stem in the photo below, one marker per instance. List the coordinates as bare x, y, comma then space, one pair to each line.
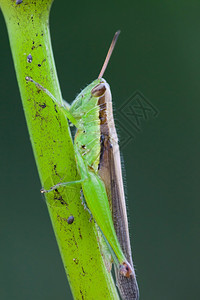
28, 30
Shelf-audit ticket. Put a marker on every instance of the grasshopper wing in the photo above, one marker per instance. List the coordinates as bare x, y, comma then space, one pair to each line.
111, 174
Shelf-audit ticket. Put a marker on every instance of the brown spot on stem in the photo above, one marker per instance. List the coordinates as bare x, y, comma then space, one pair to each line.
42, 105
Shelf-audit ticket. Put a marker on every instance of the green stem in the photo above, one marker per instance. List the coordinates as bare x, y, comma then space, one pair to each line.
28, 30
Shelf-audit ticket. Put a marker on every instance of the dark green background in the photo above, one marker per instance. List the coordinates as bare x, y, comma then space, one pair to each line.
158, 53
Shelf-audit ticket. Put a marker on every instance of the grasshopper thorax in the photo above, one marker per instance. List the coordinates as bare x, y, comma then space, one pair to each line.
90, 107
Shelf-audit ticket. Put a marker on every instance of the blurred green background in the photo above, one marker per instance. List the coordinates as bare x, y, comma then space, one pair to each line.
158, 54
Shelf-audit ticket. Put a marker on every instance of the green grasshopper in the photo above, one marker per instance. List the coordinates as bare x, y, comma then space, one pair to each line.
91, 113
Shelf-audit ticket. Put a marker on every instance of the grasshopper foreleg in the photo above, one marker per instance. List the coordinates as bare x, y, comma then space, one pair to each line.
64, 105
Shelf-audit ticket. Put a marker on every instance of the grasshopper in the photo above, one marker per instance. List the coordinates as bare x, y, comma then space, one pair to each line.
99, 166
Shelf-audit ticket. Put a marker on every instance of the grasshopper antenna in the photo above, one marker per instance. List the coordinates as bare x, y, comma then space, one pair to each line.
110, 51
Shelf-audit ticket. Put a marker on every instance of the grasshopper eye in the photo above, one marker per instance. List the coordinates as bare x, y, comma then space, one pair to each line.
98, 90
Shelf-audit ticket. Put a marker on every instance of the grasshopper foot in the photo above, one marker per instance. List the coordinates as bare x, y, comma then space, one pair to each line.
43, 191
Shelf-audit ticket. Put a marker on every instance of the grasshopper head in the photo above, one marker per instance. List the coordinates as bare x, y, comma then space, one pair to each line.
99, 88
102, 89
